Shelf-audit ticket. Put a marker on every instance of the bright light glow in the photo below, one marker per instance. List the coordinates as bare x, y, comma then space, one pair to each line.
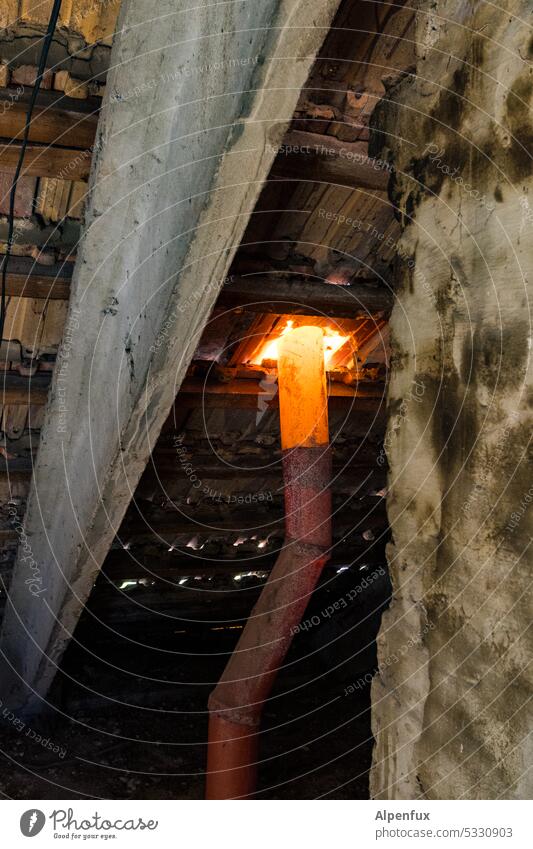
254, 574
332, 342
270, 350
125, 584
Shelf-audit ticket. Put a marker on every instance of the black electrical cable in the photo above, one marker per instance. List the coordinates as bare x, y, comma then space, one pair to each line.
52, 23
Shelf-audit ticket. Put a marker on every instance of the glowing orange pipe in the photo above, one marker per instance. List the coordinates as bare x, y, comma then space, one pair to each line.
236, 704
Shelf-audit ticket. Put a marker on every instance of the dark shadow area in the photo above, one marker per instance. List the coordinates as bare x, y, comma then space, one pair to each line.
128, 708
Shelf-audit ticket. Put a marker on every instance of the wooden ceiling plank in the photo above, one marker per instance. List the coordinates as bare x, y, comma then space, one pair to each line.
46, 161
56, 119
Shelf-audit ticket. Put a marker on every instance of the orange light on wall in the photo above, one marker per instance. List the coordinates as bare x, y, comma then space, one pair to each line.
269, 351
332, 340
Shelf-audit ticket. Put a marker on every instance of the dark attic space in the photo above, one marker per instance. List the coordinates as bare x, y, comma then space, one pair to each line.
266, 400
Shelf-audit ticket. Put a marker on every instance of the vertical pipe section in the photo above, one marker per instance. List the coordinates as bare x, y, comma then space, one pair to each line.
236, 704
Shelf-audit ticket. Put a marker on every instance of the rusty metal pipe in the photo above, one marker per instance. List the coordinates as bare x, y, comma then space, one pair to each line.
236, 704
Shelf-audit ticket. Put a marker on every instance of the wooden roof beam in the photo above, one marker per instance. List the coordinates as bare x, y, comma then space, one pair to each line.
56, 119
245, 394
311, 157
239, 393
258, 293
28, 279
270, 293
63, 163
19, 390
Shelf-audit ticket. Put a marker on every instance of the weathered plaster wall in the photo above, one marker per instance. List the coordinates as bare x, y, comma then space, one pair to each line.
450, 706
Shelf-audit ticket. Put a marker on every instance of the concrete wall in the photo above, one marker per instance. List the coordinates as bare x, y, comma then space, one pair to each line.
450, 706
195, 103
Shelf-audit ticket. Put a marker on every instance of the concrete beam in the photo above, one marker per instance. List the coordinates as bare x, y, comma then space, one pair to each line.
195, 106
